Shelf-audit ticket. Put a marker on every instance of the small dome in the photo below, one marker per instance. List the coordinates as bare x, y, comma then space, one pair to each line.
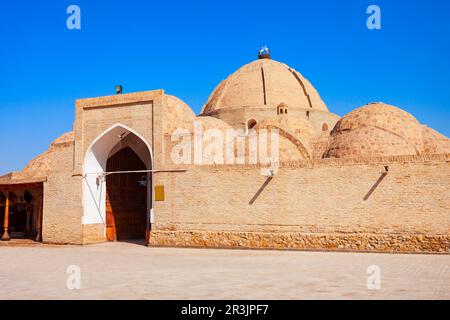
64, 139
177, 114
376, 129
264, 83
41, 165
434, 142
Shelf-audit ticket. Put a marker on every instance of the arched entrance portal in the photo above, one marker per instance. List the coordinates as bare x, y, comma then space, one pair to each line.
117, 184
126, 202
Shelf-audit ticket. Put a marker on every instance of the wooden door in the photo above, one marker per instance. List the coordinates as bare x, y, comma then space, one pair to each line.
126, 197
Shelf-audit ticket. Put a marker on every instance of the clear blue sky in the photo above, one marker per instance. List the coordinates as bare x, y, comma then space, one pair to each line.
187, 47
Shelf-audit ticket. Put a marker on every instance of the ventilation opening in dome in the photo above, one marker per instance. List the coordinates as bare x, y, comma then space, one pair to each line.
251, 123
282, 109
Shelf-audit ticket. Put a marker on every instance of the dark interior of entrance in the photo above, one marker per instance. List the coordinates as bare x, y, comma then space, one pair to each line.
126, 197
21, 211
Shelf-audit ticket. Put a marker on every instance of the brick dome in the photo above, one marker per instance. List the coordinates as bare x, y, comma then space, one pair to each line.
294, 134
264, 83
41, 165
177, 114
209, 123
376, 129
297, 127
434, 142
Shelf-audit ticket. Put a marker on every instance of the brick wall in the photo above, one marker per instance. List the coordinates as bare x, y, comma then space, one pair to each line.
345, 199
62, 212
321, 204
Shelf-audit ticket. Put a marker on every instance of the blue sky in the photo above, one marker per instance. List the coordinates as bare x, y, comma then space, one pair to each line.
187, 47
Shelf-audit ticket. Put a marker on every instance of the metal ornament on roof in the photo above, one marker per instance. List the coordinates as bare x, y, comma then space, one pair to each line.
264, 53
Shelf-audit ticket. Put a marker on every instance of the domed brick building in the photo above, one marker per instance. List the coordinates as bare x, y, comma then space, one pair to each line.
264, 165
265, 88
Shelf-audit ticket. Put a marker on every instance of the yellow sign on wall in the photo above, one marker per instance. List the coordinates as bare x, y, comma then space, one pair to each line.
159, 193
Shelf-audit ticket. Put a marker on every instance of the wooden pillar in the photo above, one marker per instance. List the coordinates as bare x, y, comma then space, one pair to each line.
5, 236
29, 217
39, 221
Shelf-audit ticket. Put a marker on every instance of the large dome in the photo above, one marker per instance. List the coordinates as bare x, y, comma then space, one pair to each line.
264, 83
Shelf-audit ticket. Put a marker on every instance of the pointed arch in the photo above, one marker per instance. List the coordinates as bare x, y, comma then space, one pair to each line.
118, 127
110, 142
300, 143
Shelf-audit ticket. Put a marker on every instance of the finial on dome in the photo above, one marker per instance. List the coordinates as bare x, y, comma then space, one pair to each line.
264, 53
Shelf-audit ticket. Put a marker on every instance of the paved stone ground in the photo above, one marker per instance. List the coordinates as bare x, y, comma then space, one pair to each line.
132, 271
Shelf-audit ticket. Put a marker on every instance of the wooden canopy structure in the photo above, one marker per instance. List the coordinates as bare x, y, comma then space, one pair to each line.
15, 182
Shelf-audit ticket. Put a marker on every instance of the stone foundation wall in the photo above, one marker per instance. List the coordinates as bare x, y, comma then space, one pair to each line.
304, 241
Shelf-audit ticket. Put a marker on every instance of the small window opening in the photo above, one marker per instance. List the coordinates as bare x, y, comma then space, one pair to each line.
282, 109
251, 124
